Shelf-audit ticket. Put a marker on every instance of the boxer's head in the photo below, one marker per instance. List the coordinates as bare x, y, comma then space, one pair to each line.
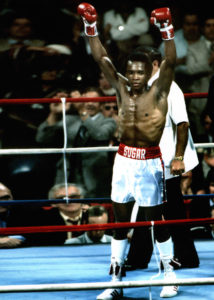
138, 70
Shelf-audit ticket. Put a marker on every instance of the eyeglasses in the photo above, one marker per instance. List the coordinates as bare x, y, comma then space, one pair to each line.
73, 196
108, 107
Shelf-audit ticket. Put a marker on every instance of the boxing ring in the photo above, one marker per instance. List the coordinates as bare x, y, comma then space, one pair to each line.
79, 272
55, 270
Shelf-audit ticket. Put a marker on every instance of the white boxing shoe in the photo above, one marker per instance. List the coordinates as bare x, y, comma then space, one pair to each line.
111, 294
169, 291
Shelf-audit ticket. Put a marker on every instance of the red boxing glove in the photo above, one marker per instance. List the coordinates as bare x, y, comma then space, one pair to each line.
161, 18
89, 16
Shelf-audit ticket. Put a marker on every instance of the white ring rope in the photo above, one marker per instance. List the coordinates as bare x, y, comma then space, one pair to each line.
76, 150
63, 100
155, 252
104, 285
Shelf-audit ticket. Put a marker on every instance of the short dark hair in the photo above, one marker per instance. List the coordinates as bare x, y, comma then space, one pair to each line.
96, 89
96, 211
153, 52
142, 57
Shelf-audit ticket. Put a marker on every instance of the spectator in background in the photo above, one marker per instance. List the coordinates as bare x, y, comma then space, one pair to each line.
202, 208
207, 162
210, 99
19, 31
200, 66
50, 134
208, 134
110, 110
199, 207
187, 35
94, 169
123, 27
9, 218
19, 36
210, 186
34, 74
96, 215
87, 129
59, 214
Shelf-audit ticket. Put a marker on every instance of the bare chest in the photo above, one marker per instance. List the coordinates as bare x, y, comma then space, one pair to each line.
137, 109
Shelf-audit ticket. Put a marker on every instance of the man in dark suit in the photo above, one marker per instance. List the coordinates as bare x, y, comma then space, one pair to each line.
95, 169
87, 128
59, 214
9, 217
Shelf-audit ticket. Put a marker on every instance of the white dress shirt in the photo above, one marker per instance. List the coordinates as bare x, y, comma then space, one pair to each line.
176, 114
135, 25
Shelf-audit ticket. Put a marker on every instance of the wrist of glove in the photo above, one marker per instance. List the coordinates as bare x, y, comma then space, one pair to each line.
90, 28
167, 33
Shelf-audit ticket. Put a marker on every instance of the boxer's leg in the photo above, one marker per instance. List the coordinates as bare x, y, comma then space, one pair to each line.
122, 212
165, 247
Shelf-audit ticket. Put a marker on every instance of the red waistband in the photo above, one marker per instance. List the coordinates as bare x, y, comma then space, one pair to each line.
139, 153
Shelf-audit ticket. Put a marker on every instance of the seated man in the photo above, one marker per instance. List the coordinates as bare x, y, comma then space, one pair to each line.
8, 219
59, 214
96, 215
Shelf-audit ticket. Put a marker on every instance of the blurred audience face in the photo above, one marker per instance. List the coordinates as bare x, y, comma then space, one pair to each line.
209, 158
96, 235
109, 109
104, 83
76, 94
49, 75
211, 187
71, 208
5, 194
56, 108
92, 107
207, 123
21, 28
191, 27
209, 29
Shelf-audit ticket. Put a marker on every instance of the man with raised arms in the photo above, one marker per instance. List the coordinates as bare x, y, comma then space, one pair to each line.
138, 172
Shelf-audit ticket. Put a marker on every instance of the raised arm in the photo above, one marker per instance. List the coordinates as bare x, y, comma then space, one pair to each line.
89, 16
161, 18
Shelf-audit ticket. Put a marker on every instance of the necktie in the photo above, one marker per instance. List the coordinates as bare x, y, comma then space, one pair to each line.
73, 222
80, 137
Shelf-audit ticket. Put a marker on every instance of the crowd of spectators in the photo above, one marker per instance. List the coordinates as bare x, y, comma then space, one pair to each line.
44, 54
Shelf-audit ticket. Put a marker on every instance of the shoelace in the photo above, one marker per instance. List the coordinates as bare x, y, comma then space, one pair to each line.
115, 293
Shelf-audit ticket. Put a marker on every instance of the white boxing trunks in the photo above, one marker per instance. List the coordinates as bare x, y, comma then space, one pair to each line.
138, 174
